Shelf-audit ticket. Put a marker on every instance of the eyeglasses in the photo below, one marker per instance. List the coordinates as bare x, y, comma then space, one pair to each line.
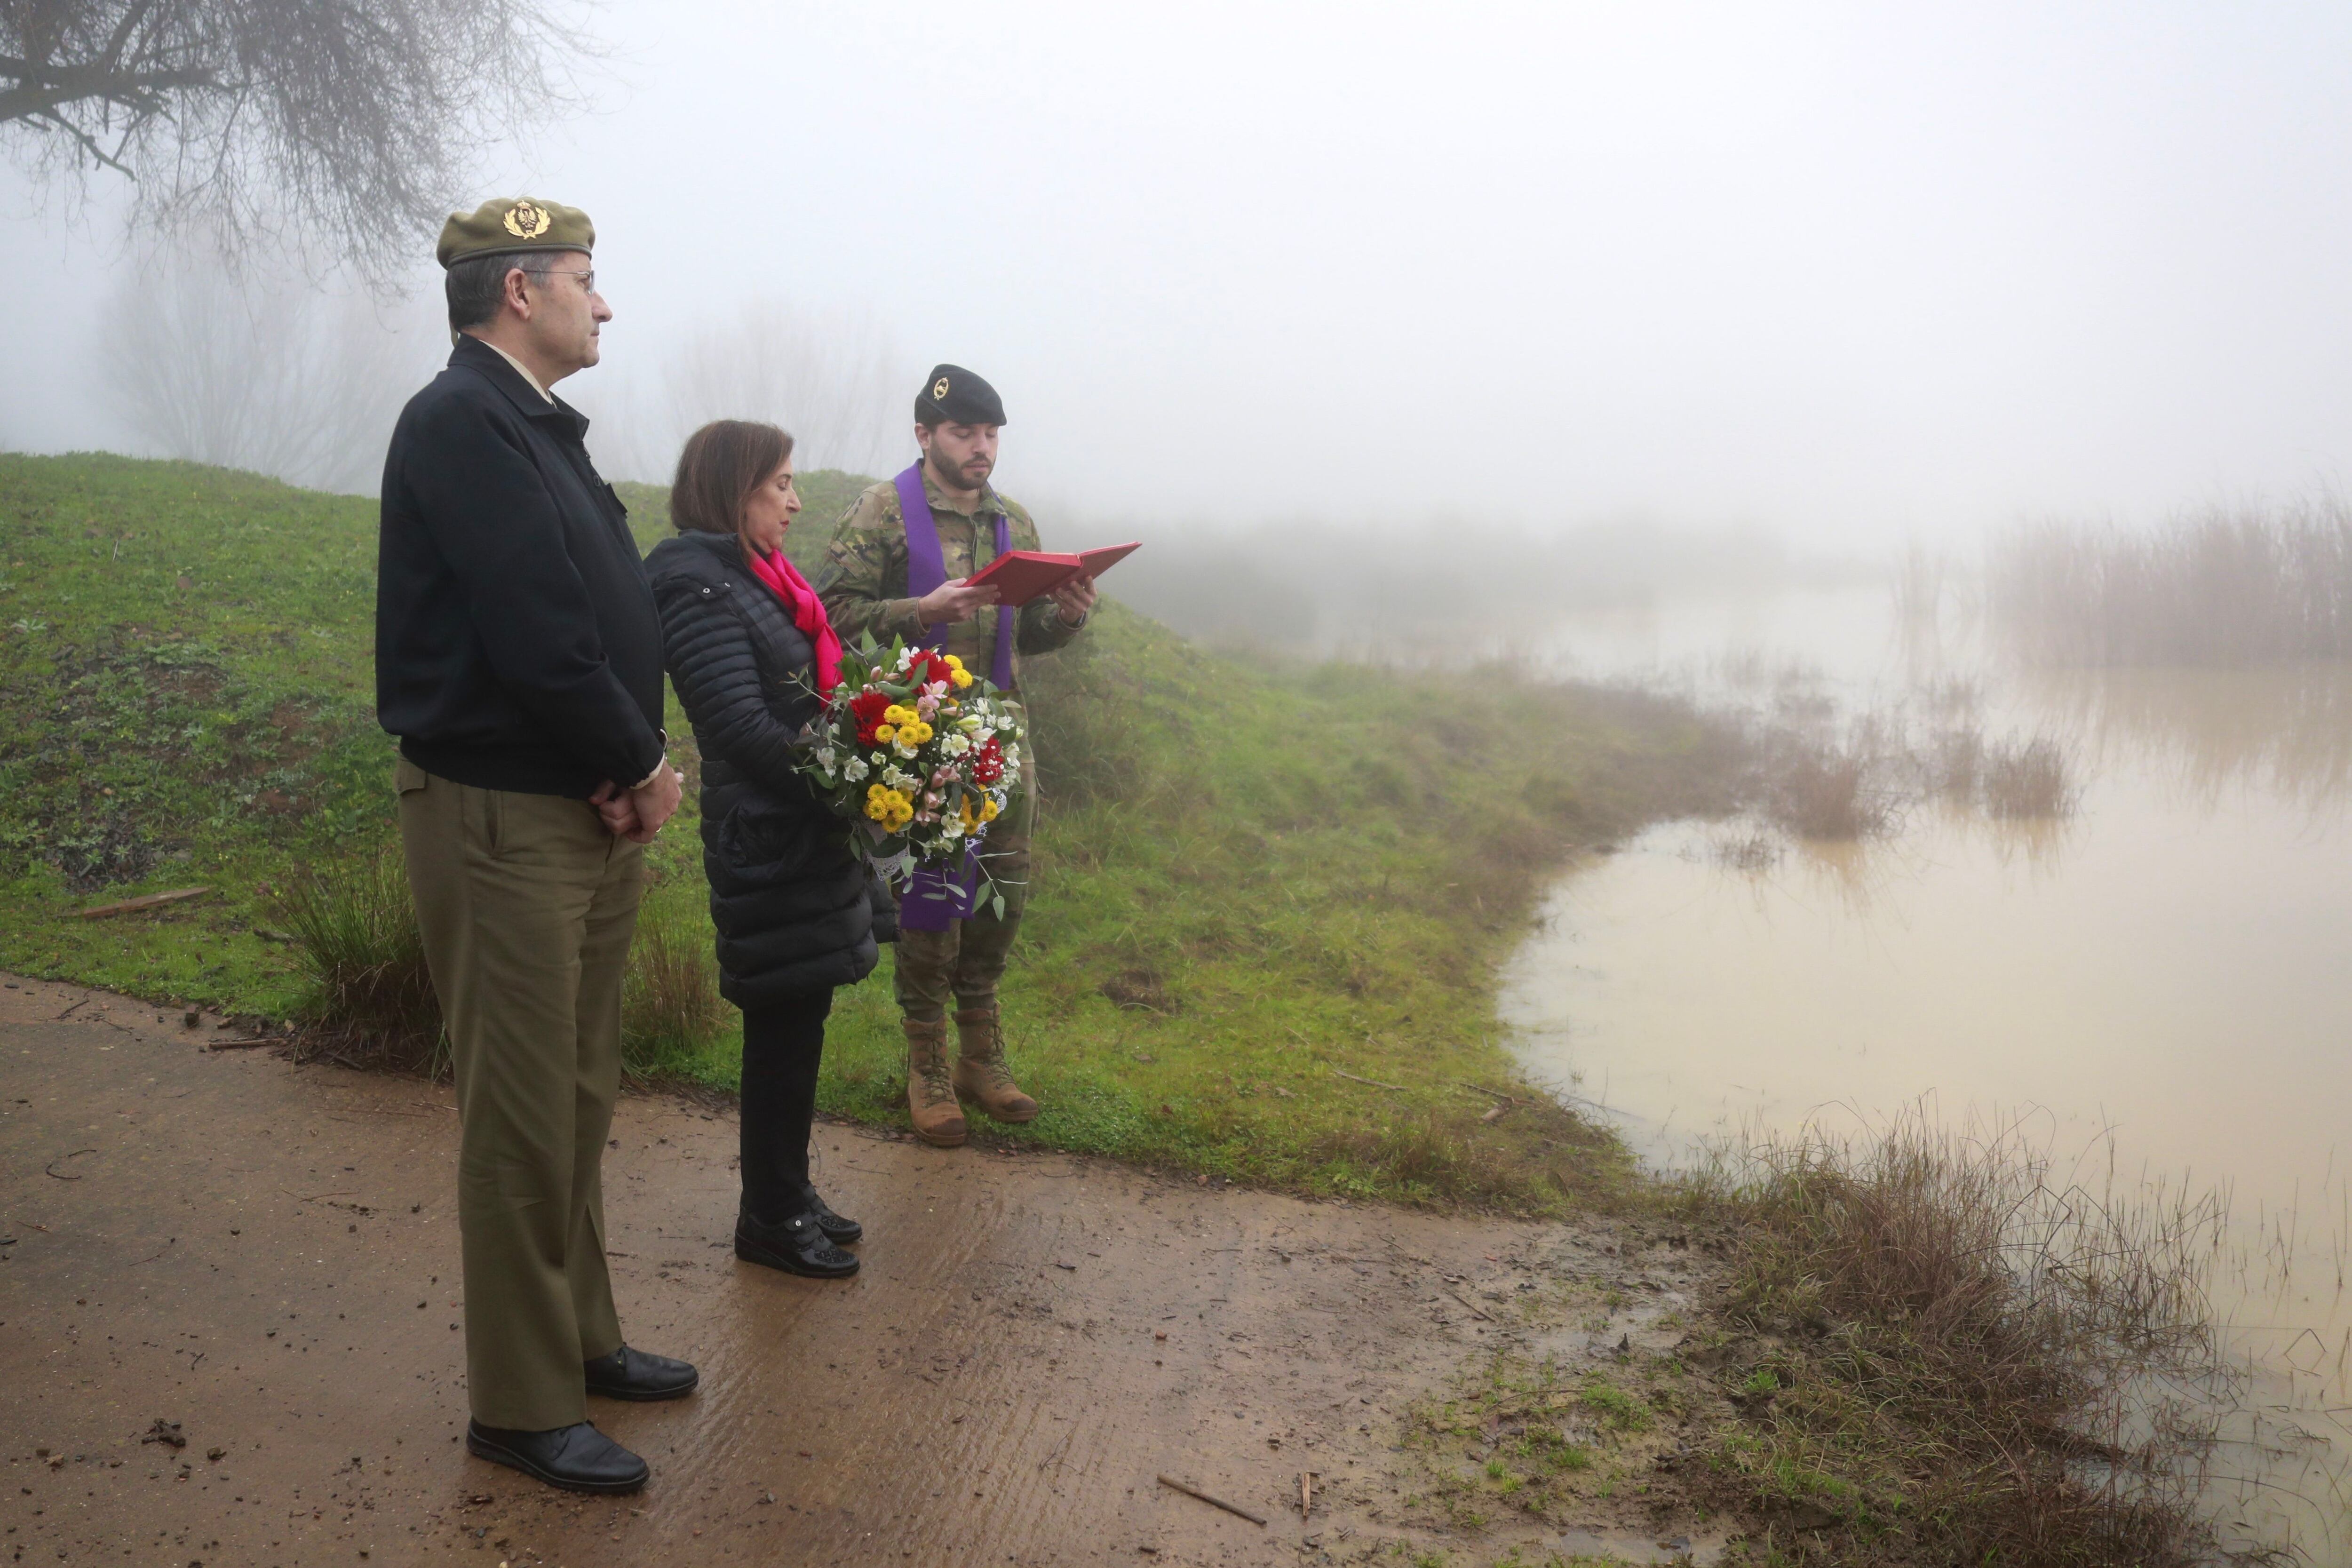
587, 278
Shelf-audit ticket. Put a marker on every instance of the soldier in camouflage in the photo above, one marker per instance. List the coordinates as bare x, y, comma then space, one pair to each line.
863, 582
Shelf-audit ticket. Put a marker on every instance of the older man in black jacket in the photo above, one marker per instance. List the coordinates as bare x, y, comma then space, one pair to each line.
518, 658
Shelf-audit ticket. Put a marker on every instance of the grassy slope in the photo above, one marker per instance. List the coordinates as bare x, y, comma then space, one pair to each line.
1246, 879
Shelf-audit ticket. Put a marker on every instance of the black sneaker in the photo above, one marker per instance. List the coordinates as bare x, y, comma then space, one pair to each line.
838, 1229
579, 1458
796, 1246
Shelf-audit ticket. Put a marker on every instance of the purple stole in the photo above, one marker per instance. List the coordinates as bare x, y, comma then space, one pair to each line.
931, 900
928, 569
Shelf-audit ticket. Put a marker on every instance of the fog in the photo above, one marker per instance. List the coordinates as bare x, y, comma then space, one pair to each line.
1842, 277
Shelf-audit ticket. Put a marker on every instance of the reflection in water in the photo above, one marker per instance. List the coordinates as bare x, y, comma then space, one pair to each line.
2164, 973
2216, 731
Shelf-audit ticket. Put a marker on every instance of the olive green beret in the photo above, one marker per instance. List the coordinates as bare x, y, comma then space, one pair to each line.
509, 224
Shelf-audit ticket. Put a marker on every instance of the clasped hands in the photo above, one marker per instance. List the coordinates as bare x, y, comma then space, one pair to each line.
960, 601
636, 814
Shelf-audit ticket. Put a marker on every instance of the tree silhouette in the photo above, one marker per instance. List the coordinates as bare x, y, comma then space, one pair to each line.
341, 129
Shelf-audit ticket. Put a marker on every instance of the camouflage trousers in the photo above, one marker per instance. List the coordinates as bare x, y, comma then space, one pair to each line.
963, 962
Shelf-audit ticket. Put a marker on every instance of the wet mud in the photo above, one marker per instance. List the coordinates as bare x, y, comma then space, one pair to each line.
263, 1259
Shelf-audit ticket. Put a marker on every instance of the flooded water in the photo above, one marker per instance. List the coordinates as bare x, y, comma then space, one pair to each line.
2156, 986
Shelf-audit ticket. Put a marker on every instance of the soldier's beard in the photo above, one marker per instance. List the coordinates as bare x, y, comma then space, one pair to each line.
969, 475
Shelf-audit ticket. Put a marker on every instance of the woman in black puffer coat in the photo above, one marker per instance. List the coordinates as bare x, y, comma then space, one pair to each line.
747, 645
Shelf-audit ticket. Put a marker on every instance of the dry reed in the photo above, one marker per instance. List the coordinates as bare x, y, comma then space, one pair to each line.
1826, 789
1997, 1364
2220, 587
2031, 779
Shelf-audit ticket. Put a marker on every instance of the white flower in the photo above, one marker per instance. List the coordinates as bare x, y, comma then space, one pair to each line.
1004, 722
950, 829
897, 778
905, 748
956, 745
854, 769
825, 756
969, 723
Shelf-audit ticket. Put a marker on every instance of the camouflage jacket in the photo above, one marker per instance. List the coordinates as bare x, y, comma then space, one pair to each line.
863, 579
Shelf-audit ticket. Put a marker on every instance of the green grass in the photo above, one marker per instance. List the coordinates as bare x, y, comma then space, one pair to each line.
1248, 880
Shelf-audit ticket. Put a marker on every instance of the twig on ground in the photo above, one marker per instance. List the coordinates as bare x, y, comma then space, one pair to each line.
1466, 1301
146, 901
1214, 1500
52, 1170
239, 1045
1376, 1083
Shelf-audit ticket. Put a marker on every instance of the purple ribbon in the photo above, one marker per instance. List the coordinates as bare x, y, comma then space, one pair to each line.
931, 900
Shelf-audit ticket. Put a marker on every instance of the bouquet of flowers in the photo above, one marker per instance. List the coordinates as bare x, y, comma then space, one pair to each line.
919, 752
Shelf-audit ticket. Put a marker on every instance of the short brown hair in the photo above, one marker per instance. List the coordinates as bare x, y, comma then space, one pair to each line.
476, 285
722, 464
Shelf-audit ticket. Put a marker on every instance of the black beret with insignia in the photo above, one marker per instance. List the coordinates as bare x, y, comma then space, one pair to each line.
954, 395
508, 225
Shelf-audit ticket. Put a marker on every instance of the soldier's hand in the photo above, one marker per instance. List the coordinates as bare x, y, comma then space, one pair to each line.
953, 602
656, 804
1077, 599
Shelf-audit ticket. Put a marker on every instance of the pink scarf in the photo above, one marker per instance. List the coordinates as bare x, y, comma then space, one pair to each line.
808, 613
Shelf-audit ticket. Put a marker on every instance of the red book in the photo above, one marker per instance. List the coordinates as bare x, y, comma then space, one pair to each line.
1020, 575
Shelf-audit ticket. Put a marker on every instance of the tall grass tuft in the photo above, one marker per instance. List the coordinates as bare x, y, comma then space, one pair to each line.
370, 1001
369, 996
2220, 587
670, 1006
2001, 1364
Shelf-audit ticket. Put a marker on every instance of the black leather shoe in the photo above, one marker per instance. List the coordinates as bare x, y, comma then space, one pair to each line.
634, 1374
796, 1246
578, 1459
837, 1230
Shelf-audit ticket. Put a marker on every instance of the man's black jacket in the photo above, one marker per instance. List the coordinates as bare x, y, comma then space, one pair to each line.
516, 646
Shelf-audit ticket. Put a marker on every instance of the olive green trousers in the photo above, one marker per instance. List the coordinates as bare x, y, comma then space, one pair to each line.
963, 962
526, 905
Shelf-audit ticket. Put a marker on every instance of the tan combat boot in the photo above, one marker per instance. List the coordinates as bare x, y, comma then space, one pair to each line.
930, 1096
979, 1070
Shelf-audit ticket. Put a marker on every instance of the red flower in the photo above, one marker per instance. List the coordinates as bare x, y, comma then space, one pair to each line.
988, 763
867, 707
938, 669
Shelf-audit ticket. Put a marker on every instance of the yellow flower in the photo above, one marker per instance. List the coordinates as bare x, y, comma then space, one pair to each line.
899, 714
952, 661
961, 680
916, 733
988, 811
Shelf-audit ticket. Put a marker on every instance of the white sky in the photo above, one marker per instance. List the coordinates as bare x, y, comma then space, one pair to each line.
1847, 272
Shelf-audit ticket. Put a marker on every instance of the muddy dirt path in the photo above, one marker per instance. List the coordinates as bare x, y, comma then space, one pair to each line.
264, 1258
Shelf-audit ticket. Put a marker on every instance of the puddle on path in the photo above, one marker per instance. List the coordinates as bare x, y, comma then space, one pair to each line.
2159, 983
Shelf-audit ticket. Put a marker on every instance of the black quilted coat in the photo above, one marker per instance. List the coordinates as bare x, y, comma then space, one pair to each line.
794, 907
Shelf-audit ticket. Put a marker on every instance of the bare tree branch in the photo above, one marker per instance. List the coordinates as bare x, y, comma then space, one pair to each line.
345, 129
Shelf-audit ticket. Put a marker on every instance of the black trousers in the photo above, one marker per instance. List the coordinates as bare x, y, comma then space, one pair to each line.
781, 1044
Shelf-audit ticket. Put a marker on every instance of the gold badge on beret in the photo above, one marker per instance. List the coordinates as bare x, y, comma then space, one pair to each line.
505, 225
940, 390
529, 220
